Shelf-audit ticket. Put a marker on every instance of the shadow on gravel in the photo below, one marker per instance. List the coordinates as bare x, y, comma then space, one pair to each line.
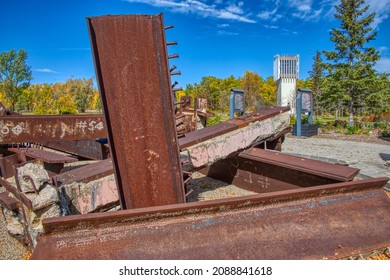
384, 138
385, 157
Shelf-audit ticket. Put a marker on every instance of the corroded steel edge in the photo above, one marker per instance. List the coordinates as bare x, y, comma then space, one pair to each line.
323, 225
96, 219
256, 154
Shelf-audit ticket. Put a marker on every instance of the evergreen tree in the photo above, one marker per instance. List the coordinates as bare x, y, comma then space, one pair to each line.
351, 63
316, 77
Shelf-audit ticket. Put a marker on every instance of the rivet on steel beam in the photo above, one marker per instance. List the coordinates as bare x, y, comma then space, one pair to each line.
173, 56
171, 43
168, 27
172, 68
177, 89
175, 84
175, 73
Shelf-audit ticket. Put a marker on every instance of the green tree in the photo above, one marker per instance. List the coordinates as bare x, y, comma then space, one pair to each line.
82, 92
350, 65
15, 75
44, 101
316, 75
268, 92
251, 84
65, 105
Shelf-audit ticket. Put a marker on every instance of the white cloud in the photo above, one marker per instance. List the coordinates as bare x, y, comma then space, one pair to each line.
265, 15
303, 6
45, 70
271, 26
230, 12
383, 49
223, 25
381, 8
383, 65
227, 33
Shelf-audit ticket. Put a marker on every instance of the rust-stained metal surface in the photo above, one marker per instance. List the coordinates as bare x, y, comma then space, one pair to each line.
210, 132
8, 202
90, 149
322, 222
131, 64
264, 171
19, 129
20, 196
87, 173
44, 155
314, 167
7, 163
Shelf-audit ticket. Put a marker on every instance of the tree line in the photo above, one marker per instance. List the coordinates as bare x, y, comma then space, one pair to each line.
259, 92
16, 93
343, 80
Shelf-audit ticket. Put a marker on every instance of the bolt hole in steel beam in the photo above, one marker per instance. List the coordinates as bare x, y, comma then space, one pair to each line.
131, 64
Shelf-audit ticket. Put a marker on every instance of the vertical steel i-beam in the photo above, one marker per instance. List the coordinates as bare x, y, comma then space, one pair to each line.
131, 64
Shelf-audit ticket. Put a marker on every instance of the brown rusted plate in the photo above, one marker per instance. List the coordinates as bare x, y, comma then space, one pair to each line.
7, 165
133, 76
8, 202
87, 173
19, 129
309, 166
90, 149
323, 222
44, 155
254, 175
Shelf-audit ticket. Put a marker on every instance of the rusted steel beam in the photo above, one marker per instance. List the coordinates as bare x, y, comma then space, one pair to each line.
323, 222
231, 137
132, 70
265, 171
7, 163
86, 173
313, 167
43, 155
19, 129
8, 202
90, 149
210, 132
18, 194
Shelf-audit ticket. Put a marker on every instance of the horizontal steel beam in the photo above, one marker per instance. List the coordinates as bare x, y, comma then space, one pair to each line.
323, 222
19, 129
264, 171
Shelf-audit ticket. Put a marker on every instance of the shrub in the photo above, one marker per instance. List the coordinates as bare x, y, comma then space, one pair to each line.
381, 125
214, 120
353, 129
385, 133
385, 116
369, 118
340, 123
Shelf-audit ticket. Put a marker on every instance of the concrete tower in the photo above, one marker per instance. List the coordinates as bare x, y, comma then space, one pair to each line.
286, 73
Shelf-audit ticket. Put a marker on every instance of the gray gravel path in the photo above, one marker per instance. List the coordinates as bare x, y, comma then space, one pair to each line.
369, 158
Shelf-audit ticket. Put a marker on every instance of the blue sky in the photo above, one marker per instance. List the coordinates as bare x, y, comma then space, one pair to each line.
216, 37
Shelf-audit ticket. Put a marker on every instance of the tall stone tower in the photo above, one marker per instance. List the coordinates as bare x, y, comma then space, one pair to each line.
286, 73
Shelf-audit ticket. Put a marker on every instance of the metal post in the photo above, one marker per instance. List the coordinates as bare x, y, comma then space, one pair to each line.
299, 113
231, 105
311, 109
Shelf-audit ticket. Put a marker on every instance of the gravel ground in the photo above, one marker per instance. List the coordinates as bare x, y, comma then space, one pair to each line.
371, 158
10, 248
